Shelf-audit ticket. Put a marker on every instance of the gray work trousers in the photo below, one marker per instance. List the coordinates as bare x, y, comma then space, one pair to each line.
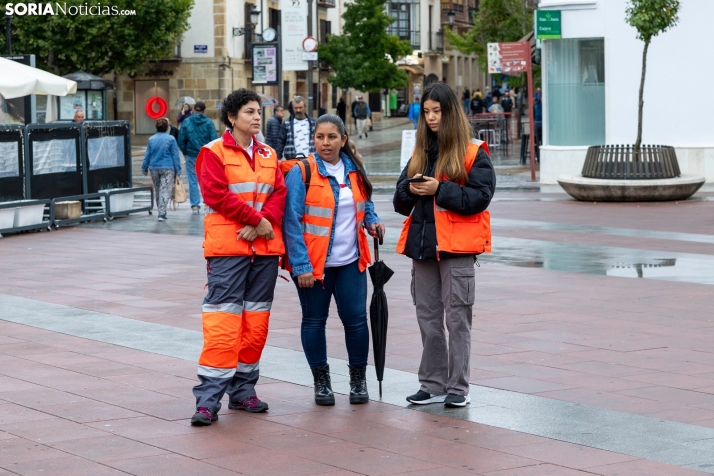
444, 288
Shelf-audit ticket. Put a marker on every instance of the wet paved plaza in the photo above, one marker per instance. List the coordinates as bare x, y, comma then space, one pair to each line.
591, 354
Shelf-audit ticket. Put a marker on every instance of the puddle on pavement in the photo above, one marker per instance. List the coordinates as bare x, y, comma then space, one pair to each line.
603, 260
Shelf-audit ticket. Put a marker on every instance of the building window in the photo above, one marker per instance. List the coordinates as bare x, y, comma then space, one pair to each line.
325, 29
575, 92
406, 21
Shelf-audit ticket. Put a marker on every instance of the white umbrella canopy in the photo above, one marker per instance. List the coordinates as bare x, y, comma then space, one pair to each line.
17, 80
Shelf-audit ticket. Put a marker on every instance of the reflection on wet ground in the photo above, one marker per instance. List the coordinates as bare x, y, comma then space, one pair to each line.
574, 258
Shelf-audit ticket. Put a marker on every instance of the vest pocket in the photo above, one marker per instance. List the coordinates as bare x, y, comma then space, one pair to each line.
463, 286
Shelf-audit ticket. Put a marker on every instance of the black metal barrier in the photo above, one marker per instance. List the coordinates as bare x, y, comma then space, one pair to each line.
93, 208
53, 160
12, 166
20, 223
106, 152
111, 214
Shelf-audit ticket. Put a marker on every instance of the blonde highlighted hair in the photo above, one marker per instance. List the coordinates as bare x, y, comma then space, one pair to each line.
454, 135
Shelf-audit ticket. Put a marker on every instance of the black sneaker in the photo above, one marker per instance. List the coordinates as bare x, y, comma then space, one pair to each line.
454, 401
423, 398
204, 416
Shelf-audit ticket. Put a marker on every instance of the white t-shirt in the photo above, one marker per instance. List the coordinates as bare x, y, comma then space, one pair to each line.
344, 245
301, 137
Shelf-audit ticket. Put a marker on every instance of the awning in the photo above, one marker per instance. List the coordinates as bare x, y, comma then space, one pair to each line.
89, 81
413, 69
19, 80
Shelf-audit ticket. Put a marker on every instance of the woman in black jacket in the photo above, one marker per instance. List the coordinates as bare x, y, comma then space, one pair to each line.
454, 179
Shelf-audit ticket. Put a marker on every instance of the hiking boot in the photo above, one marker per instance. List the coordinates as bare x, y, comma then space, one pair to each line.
455, 401
424, 398
358, 384
204, 416
250, 404
323, 386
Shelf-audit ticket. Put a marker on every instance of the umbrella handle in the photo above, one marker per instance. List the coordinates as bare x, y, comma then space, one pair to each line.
377, 242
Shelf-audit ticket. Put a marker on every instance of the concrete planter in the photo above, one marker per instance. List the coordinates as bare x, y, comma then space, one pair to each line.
7, 218
607, 190
120, 202
28, 215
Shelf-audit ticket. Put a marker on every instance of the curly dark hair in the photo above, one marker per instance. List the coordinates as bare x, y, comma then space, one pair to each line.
236, 100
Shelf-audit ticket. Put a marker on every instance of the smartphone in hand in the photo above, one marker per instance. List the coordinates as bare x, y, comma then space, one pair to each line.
416, 180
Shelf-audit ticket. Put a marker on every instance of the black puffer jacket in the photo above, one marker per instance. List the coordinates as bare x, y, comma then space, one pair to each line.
469, 199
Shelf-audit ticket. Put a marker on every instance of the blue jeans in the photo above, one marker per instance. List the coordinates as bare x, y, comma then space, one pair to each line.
349, 286
193, 191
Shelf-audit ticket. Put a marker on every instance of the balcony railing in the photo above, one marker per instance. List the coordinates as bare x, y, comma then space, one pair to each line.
412, 36
436, 41
326, 3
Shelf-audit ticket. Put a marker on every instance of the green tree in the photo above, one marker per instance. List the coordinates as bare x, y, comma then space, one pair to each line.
496, 21
650, 18
359, 56
100, 44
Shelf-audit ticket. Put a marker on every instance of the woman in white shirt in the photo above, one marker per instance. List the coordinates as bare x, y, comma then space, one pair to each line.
327, 212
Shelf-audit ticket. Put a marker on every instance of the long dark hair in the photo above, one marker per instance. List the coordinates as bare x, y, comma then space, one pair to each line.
454, 135
365, 184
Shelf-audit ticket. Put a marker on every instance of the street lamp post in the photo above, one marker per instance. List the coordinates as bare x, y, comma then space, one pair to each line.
452, 17
8, 34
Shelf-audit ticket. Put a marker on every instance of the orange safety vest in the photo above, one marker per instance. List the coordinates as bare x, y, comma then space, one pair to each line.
319, 216
253, 187
455, 233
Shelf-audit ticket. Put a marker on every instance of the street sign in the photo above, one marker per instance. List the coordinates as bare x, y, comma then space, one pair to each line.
293, 30
509, 58
309, 44
408, 144
548, 24
309, 56
200, 49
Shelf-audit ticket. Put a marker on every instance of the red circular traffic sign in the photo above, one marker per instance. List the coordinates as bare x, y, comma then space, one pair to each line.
309, 44
151, 107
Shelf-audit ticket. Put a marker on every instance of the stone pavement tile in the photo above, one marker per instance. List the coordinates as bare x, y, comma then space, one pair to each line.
643, 467
671, 395
63, 358
144, 428
268, 463
167, 465
484, 436
39, 398
171, 409
541, 470
152, 380
11, 413
85, 412
410, 420
67, 466
481, 459
19, 349
205, 445
108, 448
613, 401
522, 384
20, 450
289, 439
10, 384
106, 369
388, 438
52, 430
599, 383
364, 460
232, 424
568, 454
122, 394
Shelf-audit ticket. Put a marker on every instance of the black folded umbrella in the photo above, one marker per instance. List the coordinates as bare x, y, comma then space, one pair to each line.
378, 310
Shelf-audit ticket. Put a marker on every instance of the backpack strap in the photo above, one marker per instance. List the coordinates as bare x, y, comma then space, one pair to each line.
306, 173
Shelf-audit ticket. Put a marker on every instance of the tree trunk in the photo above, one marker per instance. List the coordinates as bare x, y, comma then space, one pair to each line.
638, 142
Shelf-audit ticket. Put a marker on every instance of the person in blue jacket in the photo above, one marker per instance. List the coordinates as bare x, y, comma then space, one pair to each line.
163, 161
414, 110
196, 131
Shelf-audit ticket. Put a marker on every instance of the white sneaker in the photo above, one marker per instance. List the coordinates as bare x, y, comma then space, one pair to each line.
456, 400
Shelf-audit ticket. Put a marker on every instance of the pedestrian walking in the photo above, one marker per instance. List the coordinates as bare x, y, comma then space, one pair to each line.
507, 105
273, 127
245, 190
393, 102
342, 109
162, 160
352, 111
476, 104
362, 112
466, 100
413, 114
185, 113
447, 226
296, 134
173, 130
328, 209
494, 107
196, 131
